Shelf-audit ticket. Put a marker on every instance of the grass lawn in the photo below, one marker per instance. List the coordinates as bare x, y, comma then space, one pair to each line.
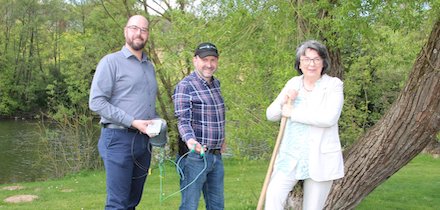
416, 186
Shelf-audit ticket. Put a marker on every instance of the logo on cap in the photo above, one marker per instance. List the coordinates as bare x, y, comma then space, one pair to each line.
206, 49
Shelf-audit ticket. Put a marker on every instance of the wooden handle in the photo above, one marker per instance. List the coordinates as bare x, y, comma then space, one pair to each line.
272, 161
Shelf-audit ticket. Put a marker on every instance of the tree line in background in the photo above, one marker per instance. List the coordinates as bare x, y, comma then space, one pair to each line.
386, 52
49, 50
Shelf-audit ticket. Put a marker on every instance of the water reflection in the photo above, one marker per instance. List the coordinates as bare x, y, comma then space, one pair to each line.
18, 140
31, 152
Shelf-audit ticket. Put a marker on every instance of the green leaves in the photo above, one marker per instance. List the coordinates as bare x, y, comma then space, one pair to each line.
47, 61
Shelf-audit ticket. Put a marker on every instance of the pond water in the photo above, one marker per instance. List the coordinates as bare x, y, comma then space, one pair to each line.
18, 139
30, 151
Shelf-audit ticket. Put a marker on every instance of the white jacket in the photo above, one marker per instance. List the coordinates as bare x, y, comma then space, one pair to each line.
326, 100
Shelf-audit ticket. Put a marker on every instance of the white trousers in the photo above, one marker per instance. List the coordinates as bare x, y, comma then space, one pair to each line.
315, 193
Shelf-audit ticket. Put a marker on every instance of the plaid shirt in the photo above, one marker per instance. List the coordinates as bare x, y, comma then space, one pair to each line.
200, 110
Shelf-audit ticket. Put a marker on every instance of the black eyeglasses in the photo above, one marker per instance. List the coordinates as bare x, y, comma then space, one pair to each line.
136, 29
307, 61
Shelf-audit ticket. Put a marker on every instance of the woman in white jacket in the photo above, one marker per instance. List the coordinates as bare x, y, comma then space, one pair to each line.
310, 149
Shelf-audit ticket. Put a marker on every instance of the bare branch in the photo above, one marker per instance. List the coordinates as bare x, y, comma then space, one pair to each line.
108, 13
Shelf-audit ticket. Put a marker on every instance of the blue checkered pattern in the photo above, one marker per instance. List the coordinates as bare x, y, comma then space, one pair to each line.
200, 110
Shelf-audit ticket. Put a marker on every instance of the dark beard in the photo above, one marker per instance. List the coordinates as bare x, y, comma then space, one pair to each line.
137, 47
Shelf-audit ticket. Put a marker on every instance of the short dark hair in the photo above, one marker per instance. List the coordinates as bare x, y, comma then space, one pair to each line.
322, 52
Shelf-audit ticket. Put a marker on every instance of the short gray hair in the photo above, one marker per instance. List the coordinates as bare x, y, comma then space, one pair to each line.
322, 52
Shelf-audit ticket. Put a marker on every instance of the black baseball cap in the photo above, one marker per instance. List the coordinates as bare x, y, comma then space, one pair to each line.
206, 49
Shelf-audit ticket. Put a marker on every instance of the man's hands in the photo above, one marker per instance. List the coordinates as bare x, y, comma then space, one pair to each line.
142, 126
223, 149
193, 144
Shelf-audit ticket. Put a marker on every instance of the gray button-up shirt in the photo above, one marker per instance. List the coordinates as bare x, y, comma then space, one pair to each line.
124, 89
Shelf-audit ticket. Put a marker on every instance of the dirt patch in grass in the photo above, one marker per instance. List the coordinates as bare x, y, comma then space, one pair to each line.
67, 190
20, 198
16, 187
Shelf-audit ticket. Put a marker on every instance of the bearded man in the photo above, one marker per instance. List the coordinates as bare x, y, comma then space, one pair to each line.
123, 93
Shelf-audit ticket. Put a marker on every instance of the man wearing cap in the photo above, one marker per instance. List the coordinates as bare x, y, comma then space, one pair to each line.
200, 110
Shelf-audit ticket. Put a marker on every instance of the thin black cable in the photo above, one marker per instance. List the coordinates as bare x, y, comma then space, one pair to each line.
136, 162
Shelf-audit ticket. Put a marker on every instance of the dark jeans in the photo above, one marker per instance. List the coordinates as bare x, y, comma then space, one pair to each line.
126, 157
210, 181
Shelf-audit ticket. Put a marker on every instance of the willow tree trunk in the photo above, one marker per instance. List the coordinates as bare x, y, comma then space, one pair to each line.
401, 134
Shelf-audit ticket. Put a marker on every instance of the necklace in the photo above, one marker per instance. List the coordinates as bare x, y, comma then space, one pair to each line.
306, 88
